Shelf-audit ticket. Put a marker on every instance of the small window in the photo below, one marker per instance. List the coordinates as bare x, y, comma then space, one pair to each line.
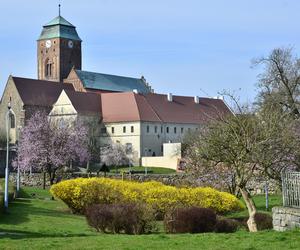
175, 130
148, 128
155, 129
167, 129
161, 129
103, 130
12, 121
112, 130
132, 129
124, 129
182, 130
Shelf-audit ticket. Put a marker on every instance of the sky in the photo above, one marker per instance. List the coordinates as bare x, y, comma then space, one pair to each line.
185, 47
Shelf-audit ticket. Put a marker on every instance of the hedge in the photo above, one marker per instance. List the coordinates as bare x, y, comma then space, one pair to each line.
82, 192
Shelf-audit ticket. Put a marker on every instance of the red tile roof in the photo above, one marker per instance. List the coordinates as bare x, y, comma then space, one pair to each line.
128, 106
39, 92
85, 103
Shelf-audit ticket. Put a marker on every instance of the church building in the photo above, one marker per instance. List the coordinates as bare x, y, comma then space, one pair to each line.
126, 109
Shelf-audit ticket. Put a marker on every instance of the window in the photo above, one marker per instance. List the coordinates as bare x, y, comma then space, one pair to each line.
167, 129
132, 129
181, 130
175, 130
112, 130
161, 129
12, 121
49, 68
124, 129
103, 130
148, 128
155, 129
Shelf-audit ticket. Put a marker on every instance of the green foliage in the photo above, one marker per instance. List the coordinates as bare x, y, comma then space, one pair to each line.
80, 193
42, 223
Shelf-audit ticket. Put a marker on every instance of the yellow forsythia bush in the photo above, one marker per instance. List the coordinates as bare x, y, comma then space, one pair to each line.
82, 192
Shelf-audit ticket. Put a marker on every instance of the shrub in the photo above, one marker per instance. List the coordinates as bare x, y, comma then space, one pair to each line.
263, 221
190, 220
80, 193
117, 218
226, 226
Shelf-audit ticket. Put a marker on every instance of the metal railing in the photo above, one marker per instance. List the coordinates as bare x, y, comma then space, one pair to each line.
291, 189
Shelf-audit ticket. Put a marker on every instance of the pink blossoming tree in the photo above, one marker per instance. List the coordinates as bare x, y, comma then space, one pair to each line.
45, 146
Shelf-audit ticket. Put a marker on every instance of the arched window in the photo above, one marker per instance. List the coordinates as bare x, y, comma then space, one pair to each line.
48, 68
12, 121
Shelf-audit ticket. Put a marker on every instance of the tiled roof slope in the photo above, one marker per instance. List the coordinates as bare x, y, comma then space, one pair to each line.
121, 107
183, 109
39, 92
125, 107
92, 80
85, 103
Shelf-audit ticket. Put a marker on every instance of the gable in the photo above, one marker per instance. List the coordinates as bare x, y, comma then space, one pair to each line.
63, 105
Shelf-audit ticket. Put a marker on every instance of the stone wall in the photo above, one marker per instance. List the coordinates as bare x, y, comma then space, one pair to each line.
285, 218
179, 179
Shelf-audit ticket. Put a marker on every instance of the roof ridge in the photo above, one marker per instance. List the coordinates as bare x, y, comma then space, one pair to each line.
134, 97
152, 109
107, 74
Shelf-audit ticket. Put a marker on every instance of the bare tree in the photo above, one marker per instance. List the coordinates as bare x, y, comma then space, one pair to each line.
279, 84
234, 149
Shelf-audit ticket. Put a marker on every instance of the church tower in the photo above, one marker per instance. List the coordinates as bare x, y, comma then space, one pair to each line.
58, 50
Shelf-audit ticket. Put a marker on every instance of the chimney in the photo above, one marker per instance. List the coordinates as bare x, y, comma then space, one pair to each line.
170, 97
135, 91
196, 99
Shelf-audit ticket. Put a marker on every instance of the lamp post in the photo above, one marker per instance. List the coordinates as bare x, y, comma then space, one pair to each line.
8, 122
8, 113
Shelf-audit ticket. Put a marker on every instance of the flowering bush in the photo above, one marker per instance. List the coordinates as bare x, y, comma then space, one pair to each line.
80, 193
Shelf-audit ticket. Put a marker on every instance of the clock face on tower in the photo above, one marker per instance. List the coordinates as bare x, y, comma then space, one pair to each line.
70, 44
48, 44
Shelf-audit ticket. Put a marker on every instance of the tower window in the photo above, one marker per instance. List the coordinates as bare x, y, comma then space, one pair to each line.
167, 130
112, 130
148, 129
155, 129
132, 129
175, 130
49, 68
124, 129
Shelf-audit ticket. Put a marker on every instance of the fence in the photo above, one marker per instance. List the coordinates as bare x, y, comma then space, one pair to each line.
291, 189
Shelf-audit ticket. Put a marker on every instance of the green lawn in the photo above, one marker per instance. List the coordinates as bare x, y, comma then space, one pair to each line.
37, 222
151, 170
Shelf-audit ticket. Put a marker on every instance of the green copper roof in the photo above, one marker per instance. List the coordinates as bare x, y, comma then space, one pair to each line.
111, 82
59, 20
59, 27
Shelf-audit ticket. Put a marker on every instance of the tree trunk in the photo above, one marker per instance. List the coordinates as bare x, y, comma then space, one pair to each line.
44, 179
251, 210
52, 177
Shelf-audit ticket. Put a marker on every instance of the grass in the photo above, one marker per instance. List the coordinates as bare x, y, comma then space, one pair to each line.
35, 221
139, 169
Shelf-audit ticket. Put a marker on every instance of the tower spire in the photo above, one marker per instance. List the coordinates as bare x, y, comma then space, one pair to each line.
59, 5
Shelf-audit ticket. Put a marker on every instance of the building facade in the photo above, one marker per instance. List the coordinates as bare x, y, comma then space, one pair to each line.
118, 109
